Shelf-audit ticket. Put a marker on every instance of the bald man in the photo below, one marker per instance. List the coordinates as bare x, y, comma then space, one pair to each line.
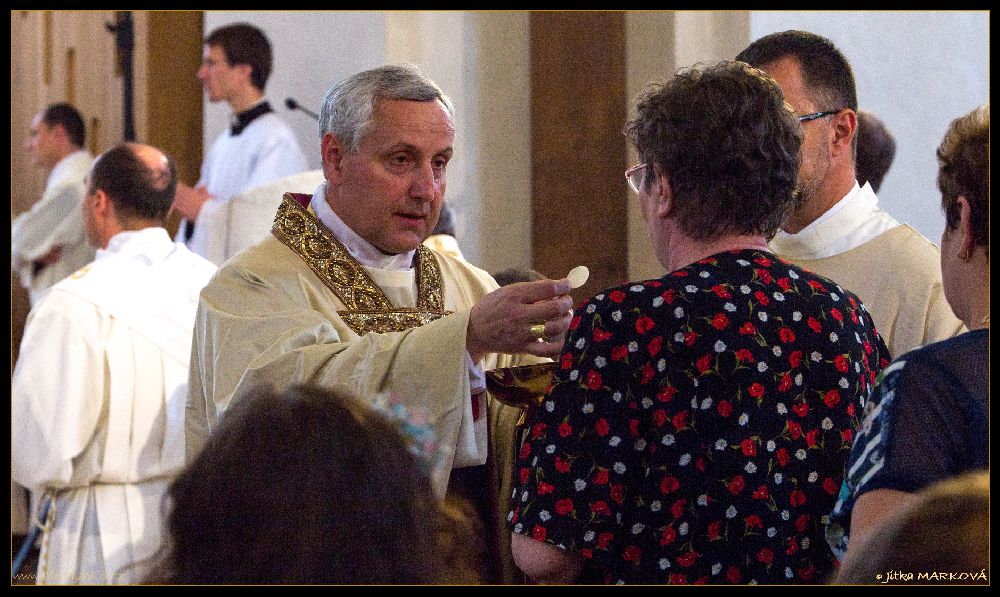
99, 389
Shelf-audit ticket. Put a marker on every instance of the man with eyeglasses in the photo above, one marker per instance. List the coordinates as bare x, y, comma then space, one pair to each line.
836, 228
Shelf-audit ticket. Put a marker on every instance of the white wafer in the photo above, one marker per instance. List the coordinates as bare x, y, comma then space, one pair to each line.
578, 276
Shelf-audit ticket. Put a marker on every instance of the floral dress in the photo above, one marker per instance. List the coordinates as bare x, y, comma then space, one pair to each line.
698, 425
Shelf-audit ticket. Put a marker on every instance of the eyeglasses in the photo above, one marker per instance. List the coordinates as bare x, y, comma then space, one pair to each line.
815, 115
633, 176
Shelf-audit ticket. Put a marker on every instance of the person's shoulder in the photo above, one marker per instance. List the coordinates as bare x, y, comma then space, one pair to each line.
946, 354
617, 302
458, 267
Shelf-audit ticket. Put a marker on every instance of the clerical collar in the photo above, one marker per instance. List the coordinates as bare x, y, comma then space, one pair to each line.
366, 253
243, 119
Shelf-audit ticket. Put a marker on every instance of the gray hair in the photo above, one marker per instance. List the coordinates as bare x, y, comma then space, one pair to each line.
347, 108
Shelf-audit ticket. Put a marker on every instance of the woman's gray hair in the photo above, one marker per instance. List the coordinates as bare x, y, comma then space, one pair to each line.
347, 108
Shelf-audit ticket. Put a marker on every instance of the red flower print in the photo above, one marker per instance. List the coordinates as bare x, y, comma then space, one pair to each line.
601, 508
600, 476
575, 322
654, 346
744, 356
537, 430
678, 579
680, 419
565, 429
836, 314
761, 298
782, 456
601, 335
586, 553
561, 465
756, 390
761, 493
617, 296
619, 353
659, 417
601, 427
830, 486
666, 394
720, 321
847, 435
801, 409
807, 572
764, 275
749, 447
733, 575
690, 338
764, 261
633, 426
753, 521
748, 329
795, 358
668, 536
647, 374
812, 438
786, 334
814, 324
687, 560
567, 361
594, 381
544, 488
786, 383
784, 283
644, 324
525, 451
699, 463
850, 409
669, 484
713, 530
840, 362
721, 291
736, 485
831, 398
794, 429
802, 521
564, 506
677, 508
704, 363
617, 493
538, 533
668, 296
797, 498
793, 545
854, 317
523, 474
765, 556
604, 540
815, 285
725, 409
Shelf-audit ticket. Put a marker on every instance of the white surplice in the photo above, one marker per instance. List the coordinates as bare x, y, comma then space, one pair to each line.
98, 404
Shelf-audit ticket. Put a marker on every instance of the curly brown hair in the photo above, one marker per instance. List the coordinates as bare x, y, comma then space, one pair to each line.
729, 145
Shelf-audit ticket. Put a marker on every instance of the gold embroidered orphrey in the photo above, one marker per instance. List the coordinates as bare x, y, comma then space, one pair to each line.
367, 307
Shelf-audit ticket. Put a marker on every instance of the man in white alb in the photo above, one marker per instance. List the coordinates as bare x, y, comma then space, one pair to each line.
837, 230
257, 148
99, 389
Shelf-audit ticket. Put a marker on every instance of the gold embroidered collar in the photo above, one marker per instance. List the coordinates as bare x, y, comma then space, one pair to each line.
367, 309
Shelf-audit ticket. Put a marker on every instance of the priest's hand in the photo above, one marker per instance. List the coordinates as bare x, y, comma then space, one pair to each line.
188, 201
529, 317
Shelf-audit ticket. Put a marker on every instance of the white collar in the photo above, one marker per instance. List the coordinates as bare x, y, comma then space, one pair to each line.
151, 244
849, 223
67, 165
366, 253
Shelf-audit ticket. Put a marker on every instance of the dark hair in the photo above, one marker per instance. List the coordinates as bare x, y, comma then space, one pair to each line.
446, 222
964, 169
242, 43
876, 150
513, 275
945, 530
67, 117
728, 144
825, 70
306, 486
136, 190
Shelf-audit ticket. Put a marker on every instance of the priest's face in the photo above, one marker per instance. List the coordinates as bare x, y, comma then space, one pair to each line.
390, 191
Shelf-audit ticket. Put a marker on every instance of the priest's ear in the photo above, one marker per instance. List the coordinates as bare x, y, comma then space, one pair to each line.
333, 152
